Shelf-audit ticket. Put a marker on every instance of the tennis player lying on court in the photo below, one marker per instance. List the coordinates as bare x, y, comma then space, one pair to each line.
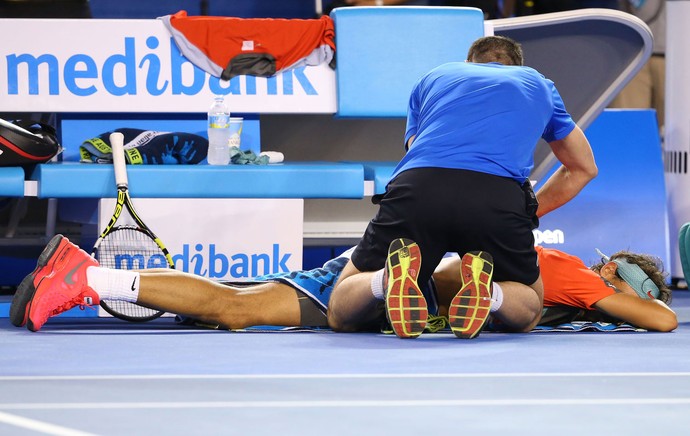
627, 287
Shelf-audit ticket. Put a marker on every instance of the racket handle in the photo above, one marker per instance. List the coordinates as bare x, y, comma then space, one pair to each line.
117, 142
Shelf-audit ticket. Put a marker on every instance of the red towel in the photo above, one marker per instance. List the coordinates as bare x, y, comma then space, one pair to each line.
226, 47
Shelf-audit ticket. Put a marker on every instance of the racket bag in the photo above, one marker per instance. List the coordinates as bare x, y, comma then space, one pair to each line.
26, 142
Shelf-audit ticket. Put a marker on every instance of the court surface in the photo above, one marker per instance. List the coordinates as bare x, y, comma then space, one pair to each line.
109, 377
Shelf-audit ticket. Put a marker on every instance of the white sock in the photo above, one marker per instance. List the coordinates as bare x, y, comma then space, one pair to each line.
377, 285
496, 297
114, 284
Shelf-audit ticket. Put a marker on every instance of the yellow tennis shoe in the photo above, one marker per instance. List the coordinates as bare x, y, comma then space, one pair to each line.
406, 308
469, 309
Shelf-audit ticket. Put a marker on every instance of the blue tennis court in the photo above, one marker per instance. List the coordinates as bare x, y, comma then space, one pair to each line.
104, 376
340, 132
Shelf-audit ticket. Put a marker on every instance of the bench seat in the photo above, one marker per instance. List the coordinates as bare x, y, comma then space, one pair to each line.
288, 180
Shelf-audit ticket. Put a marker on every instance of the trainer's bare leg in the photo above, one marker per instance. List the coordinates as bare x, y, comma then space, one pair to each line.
214, 303
522, 305
352, 306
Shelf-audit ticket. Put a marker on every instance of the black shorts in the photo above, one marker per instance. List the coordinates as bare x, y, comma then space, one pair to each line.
448, 210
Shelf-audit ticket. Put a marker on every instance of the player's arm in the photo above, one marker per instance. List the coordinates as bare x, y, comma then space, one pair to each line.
577, 169
646, 314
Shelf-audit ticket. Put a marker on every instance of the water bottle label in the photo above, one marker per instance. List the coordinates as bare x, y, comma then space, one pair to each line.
218, 121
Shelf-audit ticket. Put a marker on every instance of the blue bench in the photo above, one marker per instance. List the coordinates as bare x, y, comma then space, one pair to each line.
290, 180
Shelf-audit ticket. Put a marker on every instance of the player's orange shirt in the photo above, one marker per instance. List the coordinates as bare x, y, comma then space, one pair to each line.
568, 281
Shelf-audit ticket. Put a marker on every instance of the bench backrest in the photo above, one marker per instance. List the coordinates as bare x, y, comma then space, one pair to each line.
382, 51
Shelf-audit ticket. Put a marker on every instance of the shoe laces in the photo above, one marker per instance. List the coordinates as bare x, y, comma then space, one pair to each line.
435, 323
74, 302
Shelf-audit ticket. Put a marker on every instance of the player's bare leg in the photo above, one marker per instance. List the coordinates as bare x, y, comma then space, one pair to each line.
215, 303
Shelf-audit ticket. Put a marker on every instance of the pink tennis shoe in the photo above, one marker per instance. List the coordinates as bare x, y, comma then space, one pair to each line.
57, 284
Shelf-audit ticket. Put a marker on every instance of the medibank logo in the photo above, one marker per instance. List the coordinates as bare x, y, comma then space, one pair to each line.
133, 71
206, 260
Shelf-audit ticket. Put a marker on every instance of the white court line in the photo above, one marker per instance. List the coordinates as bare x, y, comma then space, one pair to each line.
347, 403
336, 376
40, 426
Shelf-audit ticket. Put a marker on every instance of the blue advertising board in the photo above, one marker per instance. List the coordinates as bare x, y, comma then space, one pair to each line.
624, 207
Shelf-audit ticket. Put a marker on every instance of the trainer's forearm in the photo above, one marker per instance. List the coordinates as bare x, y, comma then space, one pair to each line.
560, 188
578, 168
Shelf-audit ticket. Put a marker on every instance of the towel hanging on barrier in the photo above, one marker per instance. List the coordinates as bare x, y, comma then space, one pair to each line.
226, 47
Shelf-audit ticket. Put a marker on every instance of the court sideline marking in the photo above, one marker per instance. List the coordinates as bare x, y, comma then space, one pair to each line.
335, 376
347, 403
40, 426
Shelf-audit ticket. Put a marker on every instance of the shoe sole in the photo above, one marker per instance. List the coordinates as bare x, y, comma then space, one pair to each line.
469, 309
406, 307
19, 309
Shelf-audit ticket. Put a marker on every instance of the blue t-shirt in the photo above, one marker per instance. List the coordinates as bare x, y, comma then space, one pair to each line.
482, 117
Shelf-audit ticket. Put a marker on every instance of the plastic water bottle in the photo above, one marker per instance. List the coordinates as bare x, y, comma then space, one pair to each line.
218, 133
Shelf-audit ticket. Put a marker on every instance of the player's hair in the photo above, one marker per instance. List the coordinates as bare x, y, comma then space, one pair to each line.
651, 265
495, 49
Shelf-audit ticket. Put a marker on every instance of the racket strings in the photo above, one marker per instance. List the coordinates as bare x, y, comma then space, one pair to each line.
130, 248
134, 311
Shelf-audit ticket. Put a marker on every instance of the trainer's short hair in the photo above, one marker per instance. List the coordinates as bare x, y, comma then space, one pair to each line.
495, 49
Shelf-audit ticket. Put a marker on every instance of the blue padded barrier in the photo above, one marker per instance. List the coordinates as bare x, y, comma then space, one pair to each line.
11, 182
290, 180
624, 207
381, 52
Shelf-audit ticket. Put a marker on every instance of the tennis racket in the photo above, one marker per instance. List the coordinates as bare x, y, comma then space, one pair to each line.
128, 246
